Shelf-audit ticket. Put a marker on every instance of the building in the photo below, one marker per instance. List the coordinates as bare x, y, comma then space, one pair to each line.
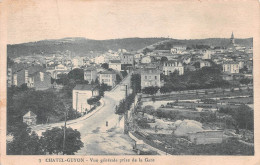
172, 66
58, 70
9, 77
107, 77
21, 76
80, 94
205, 64
206, 137
99, 59
206, 54
77, 62
39, 80
232, 39
30, 118
115, 65
90, 74
127, 58
178, 49
150, 77
231, 67
147, 60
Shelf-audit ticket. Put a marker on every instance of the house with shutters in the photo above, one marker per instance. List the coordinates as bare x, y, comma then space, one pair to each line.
90, 74
107, 77
150, 77
115, 65
172, 66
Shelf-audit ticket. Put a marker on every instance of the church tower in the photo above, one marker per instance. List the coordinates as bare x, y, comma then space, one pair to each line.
232, 39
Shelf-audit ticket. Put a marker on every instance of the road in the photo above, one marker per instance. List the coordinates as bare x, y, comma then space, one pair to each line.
98, 138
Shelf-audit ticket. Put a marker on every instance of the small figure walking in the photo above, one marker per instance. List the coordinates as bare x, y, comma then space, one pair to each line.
106, 123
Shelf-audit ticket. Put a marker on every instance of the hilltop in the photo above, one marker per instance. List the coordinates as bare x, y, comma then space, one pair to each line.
79, 46
82, 46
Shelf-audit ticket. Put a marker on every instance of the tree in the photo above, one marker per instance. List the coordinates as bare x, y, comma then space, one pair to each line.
164, 59
52, 140
245, 81
96, 81
93, 100
118, 79
76, 74
104, 65
244, 117
164, 89
10, 62
196, 65
146, 50
136, 83
24, 142
102, 88
150, 90
124, 73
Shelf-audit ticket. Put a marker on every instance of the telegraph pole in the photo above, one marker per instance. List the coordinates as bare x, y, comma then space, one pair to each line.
64, 133
125, 113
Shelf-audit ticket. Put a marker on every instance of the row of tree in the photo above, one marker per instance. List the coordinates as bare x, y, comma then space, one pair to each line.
125, 104
27, 142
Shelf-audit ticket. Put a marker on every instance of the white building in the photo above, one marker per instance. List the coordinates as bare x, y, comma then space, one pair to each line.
99, 60
77, 62
178, 49
150, 77
90, 74
147, 60
127, 58
206, 54
30, 118
59, 69
115, 65
231, 67
204, 64
81, 93
172, 66
107, 77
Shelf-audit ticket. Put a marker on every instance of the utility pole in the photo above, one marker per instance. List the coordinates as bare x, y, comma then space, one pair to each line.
125, 113
64, 133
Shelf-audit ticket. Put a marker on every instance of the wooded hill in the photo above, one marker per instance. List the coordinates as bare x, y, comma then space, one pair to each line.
82, 46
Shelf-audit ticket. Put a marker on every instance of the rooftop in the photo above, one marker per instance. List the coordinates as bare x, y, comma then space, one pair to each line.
86, 87
107, 72
29, 114
114, 61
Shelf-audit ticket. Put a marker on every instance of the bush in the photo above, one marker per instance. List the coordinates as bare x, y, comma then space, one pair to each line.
143, 124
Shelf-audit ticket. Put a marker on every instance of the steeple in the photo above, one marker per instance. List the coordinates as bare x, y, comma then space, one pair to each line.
232, 39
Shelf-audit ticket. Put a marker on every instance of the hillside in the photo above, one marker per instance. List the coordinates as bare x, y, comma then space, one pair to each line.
79, 46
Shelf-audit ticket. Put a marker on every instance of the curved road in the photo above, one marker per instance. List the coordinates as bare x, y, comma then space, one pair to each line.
98, 138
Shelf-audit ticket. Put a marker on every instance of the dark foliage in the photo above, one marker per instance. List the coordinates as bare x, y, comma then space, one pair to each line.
52, 140
104, 65
124, 105
204, 78
150, 90
243, 115
136, 83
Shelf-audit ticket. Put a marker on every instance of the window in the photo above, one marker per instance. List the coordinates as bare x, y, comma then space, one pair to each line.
155, 77
145, 77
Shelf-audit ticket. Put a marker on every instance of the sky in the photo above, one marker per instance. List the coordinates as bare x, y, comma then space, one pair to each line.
33, 20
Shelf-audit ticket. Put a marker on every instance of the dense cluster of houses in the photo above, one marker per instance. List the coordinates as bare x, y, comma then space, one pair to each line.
38, 70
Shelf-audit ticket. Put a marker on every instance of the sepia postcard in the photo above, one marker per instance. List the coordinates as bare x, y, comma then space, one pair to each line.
130, 82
